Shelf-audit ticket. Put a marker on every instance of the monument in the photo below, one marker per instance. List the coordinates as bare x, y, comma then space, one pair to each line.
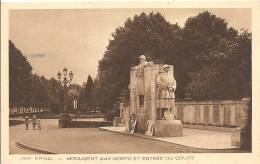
152, 99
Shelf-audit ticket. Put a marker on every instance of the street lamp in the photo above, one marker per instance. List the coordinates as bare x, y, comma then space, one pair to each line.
64, 119
65, 81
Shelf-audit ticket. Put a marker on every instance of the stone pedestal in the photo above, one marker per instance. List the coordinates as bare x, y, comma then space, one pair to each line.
168, 128
116, 121
241, 136
64, 120
235, 138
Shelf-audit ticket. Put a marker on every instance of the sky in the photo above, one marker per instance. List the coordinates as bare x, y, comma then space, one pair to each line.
77, 39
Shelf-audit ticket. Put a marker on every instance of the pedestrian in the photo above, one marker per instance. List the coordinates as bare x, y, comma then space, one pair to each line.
132, 123
27, 121
39, 124
34, 122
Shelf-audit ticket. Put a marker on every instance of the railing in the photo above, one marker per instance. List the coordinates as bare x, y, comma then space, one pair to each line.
21, 110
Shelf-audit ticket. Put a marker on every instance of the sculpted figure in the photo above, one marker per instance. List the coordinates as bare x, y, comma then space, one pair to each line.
142, 63
166, 86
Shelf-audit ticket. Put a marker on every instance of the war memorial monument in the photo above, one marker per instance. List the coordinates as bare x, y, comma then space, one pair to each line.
152, 109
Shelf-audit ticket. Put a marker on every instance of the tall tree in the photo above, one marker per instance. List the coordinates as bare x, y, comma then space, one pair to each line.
148, 34
56, 93
26, 89
206, 55
19, 76
89, 86
86, 96
200, 44
213, 54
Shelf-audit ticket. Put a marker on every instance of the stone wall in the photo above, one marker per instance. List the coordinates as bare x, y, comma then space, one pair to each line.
216, 113
226, 113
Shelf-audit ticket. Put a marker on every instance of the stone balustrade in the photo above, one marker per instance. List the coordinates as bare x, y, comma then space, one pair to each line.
216, 113
20, 110
227, 113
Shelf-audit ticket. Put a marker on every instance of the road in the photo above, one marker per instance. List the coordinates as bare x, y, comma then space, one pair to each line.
89, 140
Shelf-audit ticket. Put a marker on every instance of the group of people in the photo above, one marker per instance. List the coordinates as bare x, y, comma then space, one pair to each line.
36, 123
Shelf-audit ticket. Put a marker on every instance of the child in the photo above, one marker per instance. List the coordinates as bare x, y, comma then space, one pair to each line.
34, 122
39, 124
27, 121
132, 123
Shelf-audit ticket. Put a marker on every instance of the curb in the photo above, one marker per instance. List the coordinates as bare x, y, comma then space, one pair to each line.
151, 138
24, 146
218, 129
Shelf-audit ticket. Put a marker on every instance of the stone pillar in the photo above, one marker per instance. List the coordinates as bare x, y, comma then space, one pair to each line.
116, 121
121, 108
242, 136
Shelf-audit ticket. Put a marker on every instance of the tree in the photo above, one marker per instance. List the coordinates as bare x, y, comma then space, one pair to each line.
201, 43
19, 77
89, 87
27, 89
87, 95
148, 34
218, 57
211, 60
56, 93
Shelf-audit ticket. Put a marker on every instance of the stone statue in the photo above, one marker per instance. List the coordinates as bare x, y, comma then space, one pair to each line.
140, 72
166, 86
142, 62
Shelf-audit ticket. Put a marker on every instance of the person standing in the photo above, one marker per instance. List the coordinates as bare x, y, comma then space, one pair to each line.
132, 123
34, 122
39, 124
27, 121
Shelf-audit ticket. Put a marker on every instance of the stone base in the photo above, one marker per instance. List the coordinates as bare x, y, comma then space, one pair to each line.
241, 138
116, 121
64, 123
168, 128
150, 128
235, 138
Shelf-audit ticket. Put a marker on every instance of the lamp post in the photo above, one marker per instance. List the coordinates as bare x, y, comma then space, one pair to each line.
64, 79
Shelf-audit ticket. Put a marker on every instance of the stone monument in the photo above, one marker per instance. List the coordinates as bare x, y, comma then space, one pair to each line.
152, 99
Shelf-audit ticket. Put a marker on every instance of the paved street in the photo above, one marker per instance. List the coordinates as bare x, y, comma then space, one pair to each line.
16, 133
89, 140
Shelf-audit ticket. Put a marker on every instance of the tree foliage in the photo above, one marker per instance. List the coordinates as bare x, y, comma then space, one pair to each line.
220, 59
144, 34
20, 76
211, 60
28, 89
87, 95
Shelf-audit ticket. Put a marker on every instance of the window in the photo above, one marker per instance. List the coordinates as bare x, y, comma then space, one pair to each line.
141, 101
